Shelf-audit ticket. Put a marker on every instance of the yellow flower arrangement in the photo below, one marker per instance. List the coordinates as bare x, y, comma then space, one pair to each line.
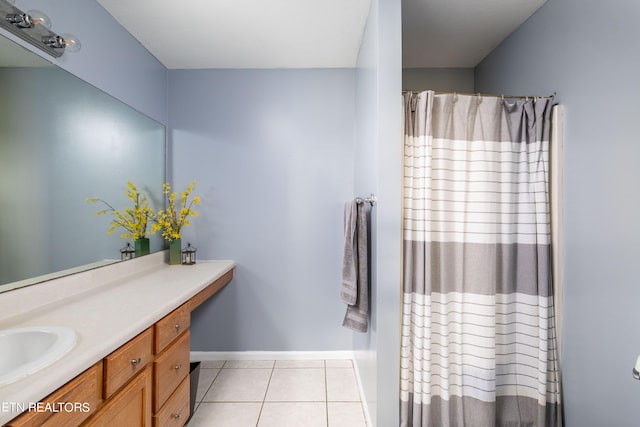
133, 220
170, 221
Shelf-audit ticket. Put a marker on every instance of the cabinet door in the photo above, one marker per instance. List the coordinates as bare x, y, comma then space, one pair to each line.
130, 407
83, 393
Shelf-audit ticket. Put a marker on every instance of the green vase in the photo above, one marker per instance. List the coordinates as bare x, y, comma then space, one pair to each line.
142, 247
175, 252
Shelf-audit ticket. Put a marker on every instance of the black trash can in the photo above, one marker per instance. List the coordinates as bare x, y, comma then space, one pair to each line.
194, 373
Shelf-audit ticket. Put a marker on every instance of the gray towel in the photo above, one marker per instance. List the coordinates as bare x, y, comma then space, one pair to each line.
349, 289
355, 268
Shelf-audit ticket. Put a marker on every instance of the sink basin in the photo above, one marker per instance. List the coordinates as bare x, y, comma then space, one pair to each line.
24, 351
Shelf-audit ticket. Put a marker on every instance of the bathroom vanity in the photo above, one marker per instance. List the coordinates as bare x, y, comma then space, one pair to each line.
131, 358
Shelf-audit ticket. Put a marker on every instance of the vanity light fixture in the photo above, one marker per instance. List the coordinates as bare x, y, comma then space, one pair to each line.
68, 42
29, 19
34, 28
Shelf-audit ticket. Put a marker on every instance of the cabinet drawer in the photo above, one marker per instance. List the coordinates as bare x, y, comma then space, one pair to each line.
128, 360
170, 368
171, 326
176, 411
72, 403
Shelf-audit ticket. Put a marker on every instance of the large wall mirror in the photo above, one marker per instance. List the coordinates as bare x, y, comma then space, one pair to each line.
62, 141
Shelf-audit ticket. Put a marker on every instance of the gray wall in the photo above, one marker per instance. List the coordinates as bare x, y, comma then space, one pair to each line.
439, 79
273, 153
110, 58
587, 52
378, 169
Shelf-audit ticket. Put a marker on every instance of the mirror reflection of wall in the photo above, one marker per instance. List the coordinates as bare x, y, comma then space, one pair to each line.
61, 141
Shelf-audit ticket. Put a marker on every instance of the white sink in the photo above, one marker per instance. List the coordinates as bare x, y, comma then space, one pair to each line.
24, 351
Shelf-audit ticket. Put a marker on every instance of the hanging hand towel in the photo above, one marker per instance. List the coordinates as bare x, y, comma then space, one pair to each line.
349, 291
357, 316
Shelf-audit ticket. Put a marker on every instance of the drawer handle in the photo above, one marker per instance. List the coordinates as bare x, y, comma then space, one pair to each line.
176, 416
178, 326
178, 367
137, 361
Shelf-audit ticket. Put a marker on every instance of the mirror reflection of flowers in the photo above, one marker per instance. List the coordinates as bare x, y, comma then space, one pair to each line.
171, 220
133, 220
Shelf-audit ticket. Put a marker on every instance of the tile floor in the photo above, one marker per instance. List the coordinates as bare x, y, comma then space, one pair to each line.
278, 393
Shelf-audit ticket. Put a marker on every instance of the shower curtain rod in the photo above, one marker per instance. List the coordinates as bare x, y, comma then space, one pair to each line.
484, 94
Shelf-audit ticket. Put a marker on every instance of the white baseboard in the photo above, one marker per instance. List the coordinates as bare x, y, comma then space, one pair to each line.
363, 398
270, 355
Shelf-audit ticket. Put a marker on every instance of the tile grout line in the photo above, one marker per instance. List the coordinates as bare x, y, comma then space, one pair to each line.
195, 409
326, 392
264, 398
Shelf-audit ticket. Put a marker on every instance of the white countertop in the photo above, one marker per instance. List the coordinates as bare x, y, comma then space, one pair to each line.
105, 316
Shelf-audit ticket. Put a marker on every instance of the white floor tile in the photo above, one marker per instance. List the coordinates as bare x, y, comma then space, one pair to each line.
293, 414
339, 363
297, 384
205, 379
345, 414
282, 393
240, 364
226, 415
342, 385
299, 364
239, 385
211, 364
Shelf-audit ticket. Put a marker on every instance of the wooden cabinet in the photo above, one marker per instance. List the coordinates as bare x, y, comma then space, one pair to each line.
130, 407
124, 363
171, 326
137, 382
144, 381
83, 393
176, 410
169, 369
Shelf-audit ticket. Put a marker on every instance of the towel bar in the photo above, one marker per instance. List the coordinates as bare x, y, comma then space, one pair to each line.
371, 200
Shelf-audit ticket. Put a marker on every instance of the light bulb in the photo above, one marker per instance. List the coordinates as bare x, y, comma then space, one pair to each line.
39, 18
71, 43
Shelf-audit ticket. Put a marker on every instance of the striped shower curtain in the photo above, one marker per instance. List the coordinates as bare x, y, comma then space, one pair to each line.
478, 335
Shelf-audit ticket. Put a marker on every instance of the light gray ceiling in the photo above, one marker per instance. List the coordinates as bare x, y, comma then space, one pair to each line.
458, 33
312, 33
246, 33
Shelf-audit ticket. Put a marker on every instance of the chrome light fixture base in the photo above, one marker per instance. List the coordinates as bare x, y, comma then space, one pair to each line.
20, 24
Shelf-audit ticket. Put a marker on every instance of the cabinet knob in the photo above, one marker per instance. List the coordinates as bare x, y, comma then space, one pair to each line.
178, 326
176, 416
137, 361
178, 367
